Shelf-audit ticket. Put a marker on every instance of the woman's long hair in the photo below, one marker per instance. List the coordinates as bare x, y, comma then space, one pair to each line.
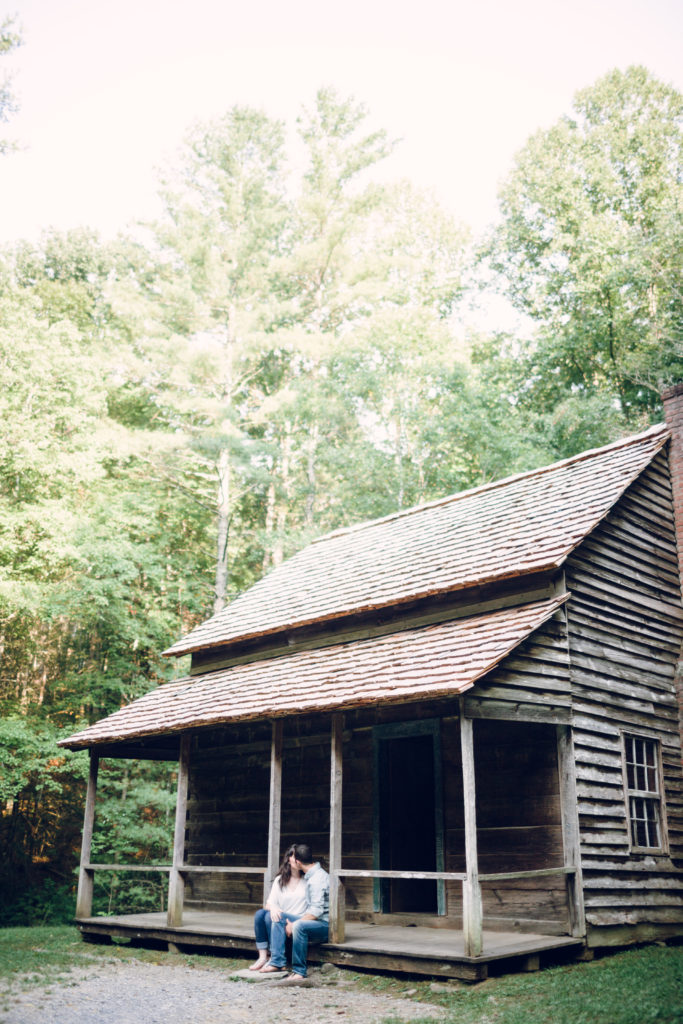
285, 869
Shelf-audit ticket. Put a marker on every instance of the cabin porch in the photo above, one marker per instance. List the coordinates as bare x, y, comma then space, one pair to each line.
493, 873
435, 952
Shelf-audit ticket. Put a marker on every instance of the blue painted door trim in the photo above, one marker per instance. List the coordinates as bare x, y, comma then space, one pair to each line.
397, 730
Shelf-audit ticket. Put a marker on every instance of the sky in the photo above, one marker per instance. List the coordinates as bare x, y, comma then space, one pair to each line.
108, 89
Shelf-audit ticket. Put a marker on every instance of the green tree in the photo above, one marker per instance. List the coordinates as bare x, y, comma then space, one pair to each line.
225, 220
591, 242
97, 556
10, 39
370, 268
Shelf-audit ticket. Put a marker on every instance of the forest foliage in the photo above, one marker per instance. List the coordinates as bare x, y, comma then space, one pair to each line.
287, 351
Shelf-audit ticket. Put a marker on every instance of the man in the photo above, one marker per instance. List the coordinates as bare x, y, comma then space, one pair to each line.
311, 926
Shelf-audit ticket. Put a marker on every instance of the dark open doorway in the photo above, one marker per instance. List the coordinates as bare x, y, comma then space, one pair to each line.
408, 819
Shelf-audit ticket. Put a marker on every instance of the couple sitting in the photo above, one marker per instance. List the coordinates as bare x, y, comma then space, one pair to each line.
297, 907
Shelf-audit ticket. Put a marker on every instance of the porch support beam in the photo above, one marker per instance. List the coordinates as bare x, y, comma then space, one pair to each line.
570, 829
471, 889
337, 900
86, 875
176, 882
275, 812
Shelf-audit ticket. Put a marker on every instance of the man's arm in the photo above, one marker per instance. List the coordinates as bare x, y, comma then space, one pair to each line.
318, 890
304, 917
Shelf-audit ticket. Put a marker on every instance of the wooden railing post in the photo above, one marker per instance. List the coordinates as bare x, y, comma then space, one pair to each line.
176, 880
471, 889
337, 901
570, 830
86, 875
275, 812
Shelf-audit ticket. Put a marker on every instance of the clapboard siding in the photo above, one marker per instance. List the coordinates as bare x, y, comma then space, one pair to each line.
625, 629
532, 682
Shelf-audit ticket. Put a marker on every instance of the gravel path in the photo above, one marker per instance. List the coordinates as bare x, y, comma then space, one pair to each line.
138, 993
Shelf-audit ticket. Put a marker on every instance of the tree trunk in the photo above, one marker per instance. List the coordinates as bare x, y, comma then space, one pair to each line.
311, 452
223, 496
398, 460
278, 547
222, 531
269, 526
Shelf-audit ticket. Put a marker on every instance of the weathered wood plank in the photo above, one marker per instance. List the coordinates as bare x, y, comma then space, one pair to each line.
159, 868
633, 916
654, 881
652, 570
275, 808
619, 634
506, 876
611, 586
337, 909
635, 898
481, 707
209, 869
643, 718
658, 671
570, 829
588, 777
84, 896
471, 891
459, 876
515, 694
176, 885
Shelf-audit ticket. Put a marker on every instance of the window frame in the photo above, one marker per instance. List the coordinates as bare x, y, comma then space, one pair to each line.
655, 798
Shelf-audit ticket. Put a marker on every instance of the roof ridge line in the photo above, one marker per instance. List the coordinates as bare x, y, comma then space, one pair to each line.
655, 429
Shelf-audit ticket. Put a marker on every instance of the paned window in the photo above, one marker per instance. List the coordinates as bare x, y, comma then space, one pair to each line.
643, 792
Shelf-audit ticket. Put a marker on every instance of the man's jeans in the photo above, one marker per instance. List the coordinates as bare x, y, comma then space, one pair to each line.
303, 932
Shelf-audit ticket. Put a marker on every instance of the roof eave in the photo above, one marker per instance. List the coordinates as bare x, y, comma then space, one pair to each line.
398, 603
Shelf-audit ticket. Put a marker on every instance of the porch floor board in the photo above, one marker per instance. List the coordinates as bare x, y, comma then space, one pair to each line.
420, 950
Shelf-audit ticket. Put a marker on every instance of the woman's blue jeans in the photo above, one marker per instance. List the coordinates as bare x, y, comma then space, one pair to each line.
262, 927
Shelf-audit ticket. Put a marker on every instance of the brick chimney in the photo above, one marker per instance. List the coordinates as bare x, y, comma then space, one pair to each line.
672, 400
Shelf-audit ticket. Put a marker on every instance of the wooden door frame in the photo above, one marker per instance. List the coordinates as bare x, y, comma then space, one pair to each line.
400, 730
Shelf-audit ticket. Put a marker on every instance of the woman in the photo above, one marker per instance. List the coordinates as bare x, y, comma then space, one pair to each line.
287, 896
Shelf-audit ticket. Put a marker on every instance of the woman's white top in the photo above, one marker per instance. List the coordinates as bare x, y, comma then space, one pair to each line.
291, 899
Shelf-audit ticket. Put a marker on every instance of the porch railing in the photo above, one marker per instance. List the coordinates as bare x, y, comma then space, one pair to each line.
174, 919
337, 917
471, 893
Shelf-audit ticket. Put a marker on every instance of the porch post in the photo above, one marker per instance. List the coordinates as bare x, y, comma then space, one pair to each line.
337, 901
570, 829
275, 812
176, 882
86, 876
471, 890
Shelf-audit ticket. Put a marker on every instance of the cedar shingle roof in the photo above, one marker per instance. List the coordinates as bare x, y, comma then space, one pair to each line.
523, 524
432, 661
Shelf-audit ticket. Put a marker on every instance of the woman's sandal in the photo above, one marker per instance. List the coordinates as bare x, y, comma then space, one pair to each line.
272, 969
261, 962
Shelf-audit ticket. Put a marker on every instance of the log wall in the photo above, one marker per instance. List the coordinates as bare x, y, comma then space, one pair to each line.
517, 806
625, 630
227, 814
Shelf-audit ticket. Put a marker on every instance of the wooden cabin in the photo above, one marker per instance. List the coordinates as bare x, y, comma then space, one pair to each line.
467, 708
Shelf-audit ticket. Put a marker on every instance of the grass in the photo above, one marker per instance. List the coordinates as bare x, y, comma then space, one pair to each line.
637, 986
